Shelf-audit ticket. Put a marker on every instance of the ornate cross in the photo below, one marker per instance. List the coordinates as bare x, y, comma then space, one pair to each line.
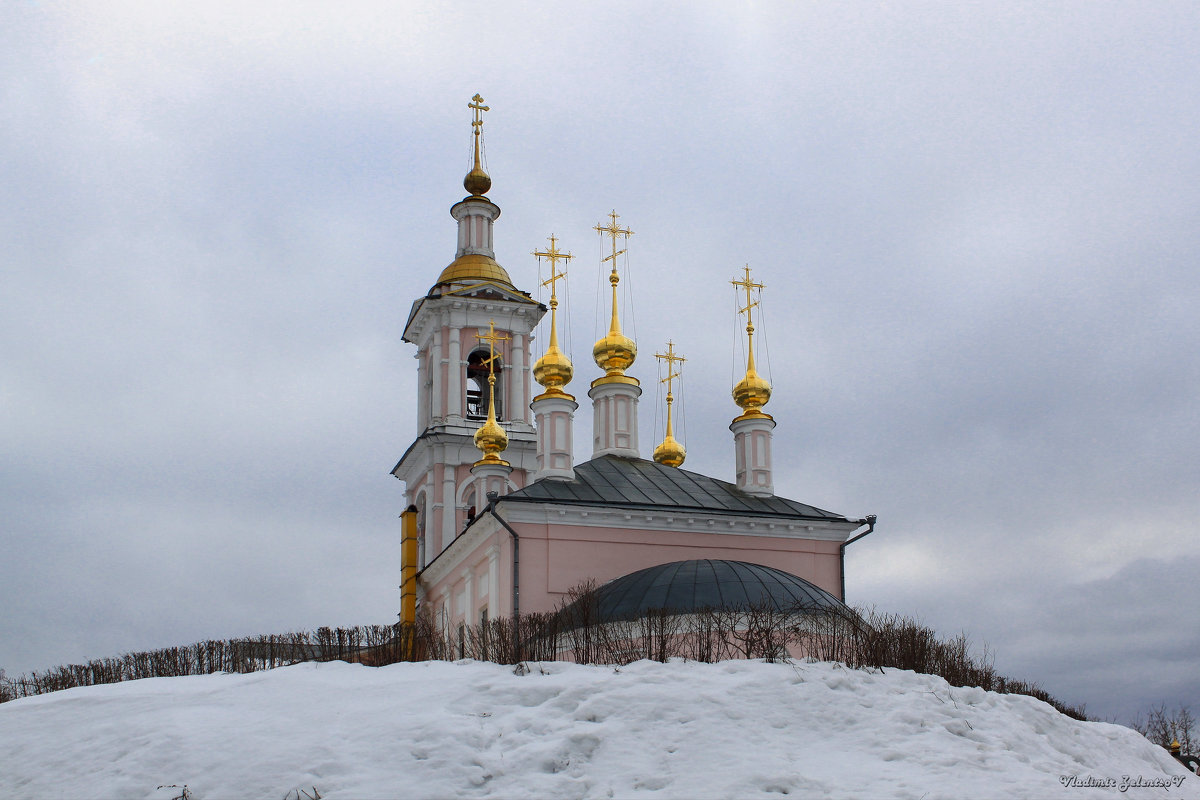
477, 107
555, 256
613, 230
671, 360
747, 284
491, 337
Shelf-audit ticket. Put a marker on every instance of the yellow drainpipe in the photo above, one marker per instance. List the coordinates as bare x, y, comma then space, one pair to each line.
408, 566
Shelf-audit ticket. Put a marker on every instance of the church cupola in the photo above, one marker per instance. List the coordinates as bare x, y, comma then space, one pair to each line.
615, 395
670, 452
475, 260
752, 430
554, 409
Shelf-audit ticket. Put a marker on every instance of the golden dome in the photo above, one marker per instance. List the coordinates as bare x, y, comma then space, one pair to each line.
477, 181
752, 393
491, 440
614, 353
670, 453
553, 370
474, 267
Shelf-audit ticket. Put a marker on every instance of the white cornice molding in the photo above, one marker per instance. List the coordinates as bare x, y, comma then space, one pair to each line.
678, 520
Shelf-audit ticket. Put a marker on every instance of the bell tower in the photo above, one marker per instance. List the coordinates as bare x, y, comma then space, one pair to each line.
464, 378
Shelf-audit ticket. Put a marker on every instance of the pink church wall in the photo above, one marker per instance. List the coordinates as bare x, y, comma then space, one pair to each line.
553, 562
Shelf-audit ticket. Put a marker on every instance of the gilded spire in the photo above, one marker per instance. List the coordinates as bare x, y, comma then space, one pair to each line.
553, 370
670, 453
615, 352
752, 392
491, 438
477, 181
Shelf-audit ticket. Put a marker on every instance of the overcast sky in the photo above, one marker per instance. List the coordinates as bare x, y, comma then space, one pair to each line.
977, 225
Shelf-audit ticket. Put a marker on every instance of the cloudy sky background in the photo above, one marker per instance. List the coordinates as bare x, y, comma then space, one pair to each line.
977, 225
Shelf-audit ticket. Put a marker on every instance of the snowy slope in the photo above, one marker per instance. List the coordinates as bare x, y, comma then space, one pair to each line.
737, 729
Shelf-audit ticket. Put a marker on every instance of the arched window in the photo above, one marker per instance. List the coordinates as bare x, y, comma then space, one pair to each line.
477, 385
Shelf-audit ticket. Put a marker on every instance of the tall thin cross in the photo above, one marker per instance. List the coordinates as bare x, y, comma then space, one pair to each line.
555, 256
748, 284
477, 107
671, 360
613, 230
491, 337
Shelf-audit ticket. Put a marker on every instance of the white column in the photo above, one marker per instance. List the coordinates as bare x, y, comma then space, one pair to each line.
449, 515
494, 581
436, 370
422, 357
455, 376
752, 454
517, 409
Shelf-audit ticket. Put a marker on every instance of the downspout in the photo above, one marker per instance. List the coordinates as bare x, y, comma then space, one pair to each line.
491, 508
869, 521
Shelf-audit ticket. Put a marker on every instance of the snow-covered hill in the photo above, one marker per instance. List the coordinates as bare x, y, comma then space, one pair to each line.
736, 729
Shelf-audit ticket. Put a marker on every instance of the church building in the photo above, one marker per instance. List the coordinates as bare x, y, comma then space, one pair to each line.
501, 518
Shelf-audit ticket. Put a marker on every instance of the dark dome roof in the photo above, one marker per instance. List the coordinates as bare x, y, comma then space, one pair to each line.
687, 586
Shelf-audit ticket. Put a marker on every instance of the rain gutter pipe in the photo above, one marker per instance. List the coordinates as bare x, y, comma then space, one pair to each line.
869, 521
491, 508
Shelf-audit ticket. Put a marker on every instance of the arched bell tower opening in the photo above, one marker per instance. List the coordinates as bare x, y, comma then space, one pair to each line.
477, 386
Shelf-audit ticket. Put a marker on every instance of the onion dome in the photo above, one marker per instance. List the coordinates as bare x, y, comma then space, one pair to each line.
615, 352
477, 181
553, 370
491, 440
752, 393
670, 452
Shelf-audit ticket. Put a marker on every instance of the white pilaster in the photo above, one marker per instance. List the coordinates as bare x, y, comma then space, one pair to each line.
517, 380
437, 370
449, 515
455, 376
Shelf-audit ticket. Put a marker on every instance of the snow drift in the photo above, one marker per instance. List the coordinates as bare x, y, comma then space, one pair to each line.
435, 729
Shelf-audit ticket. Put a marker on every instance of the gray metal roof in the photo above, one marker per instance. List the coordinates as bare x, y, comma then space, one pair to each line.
637, 483
688, 586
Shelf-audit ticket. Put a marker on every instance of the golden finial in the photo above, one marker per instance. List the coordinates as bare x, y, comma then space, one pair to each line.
491, 438
477, 181
670, 453
553, 370
615, 352
752, 392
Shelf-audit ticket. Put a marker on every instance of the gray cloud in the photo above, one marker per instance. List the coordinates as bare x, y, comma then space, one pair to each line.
976, 225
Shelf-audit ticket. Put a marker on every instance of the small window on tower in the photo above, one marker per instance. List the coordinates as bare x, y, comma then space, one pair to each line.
477, 386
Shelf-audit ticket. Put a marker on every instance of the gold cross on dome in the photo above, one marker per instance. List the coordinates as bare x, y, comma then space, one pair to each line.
555, 256
747, 284
491, 337
477, 107
671, 360
613, 230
